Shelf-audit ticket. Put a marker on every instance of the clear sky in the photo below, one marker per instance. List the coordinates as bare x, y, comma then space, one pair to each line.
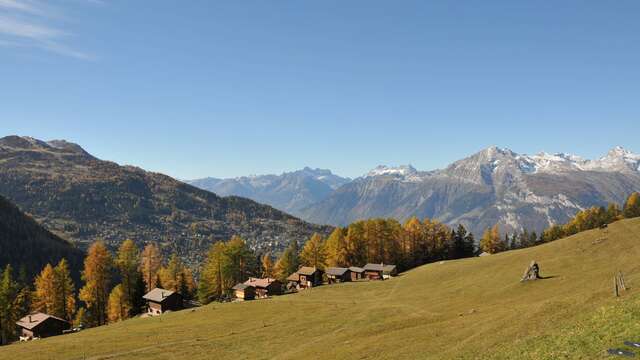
226, 88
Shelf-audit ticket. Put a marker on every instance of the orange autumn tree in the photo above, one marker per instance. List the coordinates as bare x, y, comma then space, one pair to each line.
97, 279
150, 264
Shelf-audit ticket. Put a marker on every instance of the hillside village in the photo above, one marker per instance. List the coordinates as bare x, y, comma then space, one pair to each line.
420, 304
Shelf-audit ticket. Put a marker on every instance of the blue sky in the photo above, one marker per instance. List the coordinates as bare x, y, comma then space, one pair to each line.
211, 88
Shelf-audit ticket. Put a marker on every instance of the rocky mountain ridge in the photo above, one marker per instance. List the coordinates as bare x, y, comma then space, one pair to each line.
82, 198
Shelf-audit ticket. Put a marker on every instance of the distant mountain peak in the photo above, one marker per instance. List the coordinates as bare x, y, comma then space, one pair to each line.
30, 143
401, 171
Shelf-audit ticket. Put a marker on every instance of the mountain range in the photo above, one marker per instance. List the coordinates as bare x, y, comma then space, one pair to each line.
290, 191
492, 186
82, 198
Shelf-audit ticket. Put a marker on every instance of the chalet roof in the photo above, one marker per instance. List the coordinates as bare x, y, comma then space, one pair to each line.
374, 267
356, 269
260, 283
306, 270
294, 277
158, 295
336, 271
241, 286
31, 321
389, 268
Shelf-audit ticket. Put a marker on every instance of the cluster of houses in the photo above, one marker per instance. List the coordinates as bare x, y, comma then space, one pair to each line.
39, 325
159, 301
308, 277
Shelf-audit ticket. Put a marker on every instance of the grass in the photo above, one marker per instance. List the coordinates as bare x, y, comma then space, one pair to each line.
465, 309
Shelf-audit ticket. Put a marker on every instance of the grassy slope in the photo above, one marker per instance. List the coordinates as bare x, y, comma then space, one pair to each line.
472, 308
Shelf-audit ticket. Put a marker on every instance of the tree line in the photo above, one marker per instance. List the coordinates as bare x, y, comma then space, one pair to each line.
386, 241
112, 287
592, 218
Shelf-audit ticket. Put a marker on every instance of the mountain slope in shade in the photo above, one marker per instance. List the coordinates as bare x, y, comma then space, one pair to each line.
493, 186
26, 244
289, 192
84, 198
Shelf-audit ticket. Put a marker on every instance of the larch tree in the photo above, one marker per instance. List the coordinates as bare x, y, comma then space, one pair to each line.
97, 280
289, 262
151, 262
44, 296
632, 206
414, 234
239, 260
267, 266
313, 253
336, 249
65, 291
212, 275
128, 264
177, 277
119, 305
491, 241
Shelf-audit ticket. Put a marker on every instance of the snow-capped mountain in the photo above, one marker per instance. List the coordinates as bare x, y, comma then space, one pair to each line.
289, 192
492, 186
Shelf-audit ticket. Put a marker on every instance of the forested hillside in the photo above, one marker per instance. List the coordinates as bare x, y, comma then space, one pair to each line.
84, 199
28, 247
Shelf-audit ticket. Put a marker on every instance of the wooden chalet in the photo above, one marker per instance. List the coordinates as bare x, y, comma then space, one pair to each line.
338, 275
265, 287
160, 301
41, 325
389, 271
379, 271
306, 277
310, 276
374, 271
357, 273
244, 292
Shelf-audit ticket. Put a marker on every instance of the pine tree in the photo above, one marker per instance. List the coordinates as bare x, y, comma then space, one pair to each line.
289, 261
632, 206
336, 249
462, 243
97, 279
151, 262
128, 264
268, 268
9, 306
65, 292
313, 253
119, 305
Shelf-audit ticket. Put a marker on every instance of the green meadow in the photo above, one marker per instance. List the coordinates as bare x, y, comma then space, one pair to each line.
465, 309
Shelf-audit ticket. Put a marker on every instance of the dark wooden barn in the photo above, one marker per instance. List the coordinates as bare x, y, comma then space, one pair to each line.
374, 271
357, 273
338, 275
244, 292
40, 325
379, 271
